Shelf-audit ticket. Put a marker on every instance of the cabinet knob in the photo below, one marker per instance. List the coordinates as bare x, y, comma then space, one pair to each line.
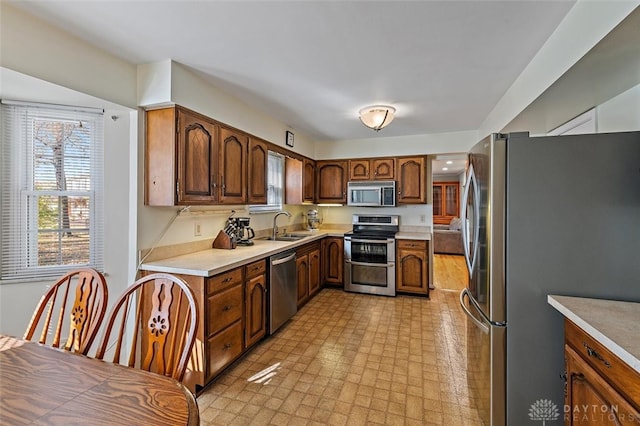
227, 346
227, 308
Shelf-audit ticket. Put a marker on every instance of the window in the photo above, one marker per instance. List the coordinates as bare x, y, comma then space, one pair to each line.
51, 203
275, 185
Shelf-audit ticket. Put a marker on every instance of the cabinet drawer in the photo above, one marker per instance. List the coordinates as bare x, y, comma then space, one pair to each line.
619, 374
222, 281
224, 347
223, 309
412, 244
256, 268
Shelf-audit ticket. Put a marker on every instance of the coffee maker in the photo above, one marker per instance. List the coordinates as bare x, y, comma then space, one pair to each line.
244, 233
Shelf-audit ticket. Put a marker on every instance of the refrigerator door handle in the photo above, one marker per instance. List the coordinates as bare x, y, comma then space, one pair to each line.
470, 258
484, 327
481, 325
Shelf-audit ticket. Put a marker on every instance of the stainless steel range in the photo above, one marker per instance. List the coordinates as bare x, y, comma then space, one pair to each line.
369, 255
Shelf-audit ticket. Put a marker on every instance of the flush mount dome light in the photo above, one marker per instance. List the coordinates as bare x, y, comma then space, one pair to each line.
377, 117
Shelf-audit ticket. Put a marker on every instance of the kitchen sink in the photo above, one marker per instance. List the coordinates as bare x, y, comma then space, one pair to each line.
288, 237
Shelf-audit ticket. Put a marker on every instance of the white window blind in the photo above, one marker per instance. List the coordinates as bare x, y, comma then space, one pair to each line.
275, 185
51, 207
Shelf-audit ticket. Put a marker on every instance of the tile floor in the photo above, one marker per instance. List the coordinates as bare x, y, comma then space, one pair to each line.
352, 359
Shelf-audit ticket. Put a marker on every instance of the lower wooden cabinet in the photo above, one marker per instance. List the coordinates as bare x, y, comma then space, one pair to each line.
601, 389
308, 271
332, 261
232, 309
412, 267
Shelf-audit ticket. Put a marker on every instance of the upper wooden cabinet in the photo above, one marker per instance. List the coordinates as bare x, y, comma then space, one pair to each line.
372, 169
299, 181
446, 201
233, 166
257, 171
181, 158
331, 181
308, 181
412, 180
191, 159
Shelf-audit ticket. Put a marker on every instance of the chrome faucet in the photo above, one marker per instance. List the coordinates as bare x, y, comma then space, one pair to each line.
275, 227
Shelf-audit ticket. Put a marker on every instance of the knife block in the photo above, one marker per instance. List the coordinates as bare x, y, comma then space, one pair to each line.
223, 241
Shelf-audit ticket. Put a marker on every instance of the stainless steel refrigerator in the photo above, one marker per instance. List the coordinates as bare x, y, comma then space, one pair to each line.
542, 215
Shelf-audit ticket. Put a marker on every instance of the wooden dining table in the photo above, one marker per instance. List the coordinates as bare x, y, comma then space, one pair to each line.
43, 385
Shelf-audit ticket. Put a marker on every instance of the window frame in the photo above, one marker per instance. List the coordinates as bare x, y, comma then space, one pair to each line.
19, 202
271, 187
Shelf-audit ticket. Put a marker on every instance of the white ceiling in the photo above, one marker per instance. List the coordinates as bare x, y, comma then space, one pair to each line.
314, 64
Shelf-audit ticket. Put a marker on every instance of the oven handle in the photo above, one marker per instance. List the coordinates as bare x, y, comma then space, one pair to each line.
387, 265
356, 240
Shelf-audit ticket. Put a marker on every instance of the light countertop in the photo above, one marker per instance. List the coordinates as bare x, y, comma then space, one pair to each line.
612, 323
206, 263
209, 262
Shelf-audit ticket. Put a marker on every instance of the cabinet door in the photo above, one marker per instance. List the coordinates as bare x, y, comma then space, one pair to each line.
302, 272
437, 201
233, 167
293, 172
591, 399
383, 169
412, 267
359, 170
257, 171
411, 180
451, 199
160, 170
308, 181
255, 309
314, 272
197, 160
331, 182
332, 261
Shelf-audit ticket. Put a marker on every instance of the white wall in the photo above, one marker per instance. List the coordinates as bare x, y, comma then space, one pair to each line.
583, 27
620, 114
437, 143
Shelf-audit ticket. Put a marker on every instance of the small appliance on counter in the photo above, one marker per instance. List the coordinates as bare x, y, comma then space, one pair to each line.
244, 233
313, 220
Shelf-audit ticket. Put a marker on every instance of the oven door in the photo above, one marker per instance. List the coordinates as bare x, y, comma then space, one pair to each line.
370, 266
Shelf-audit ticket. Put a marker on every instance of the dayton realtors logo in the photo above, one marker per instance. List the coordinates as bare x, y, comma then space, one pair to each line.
543, 410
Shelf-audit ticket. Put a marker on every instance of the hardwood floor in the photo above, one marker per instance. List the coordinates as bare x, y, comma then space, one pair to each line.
449, 272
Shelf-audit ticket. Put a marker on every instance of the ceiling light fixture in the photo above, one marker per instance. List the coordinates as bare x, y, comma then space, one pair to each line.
377, 116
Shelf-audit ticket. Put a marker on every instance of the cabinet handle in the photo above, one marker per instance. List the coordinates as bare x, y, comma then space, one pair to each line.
227, 346
593, 353
227, 308
222, 182
226, 280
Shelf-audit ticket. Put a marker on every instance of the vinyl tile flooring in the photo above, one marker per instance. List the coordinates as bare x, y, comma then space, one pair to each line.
353, 359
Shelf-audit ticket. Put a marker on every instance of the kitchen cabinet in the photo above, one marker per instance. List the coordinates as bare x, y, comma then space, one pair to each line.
257, 158
446, 201
331, 181
600, 387
232, 310
412, 180
191, 159
372, 169
181, 158
332, 261
233, 166
308, 272
299, 181
302, 274
412, 267
255, 302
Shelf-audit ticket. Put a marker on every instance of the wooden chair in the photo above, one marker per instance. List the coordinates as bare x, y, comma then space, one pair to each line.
89, 290
155, 320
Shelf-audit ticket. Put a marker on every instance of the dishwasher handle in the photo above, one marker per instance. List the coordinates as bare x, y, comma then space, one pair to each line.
275, 262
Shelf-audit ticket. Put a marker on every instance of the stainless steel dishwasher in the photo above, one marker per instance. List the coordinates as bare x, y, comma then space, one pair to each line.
283, 297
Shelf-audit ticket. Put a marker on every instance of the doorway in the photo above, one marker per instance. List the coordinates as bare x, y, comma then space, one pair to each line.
448, 179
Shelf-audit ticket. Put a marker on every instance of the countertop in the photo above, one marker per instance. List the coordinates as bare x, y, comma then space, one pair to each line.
206, 263
612, 323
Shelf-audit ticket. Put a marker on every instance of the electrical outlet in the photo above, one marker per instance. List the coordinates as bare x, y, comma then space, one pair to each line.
196, 229
423, 218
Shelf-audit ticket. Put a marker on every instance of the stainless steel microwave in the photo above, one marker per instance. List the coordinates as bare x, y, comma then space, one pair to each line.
372, 193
